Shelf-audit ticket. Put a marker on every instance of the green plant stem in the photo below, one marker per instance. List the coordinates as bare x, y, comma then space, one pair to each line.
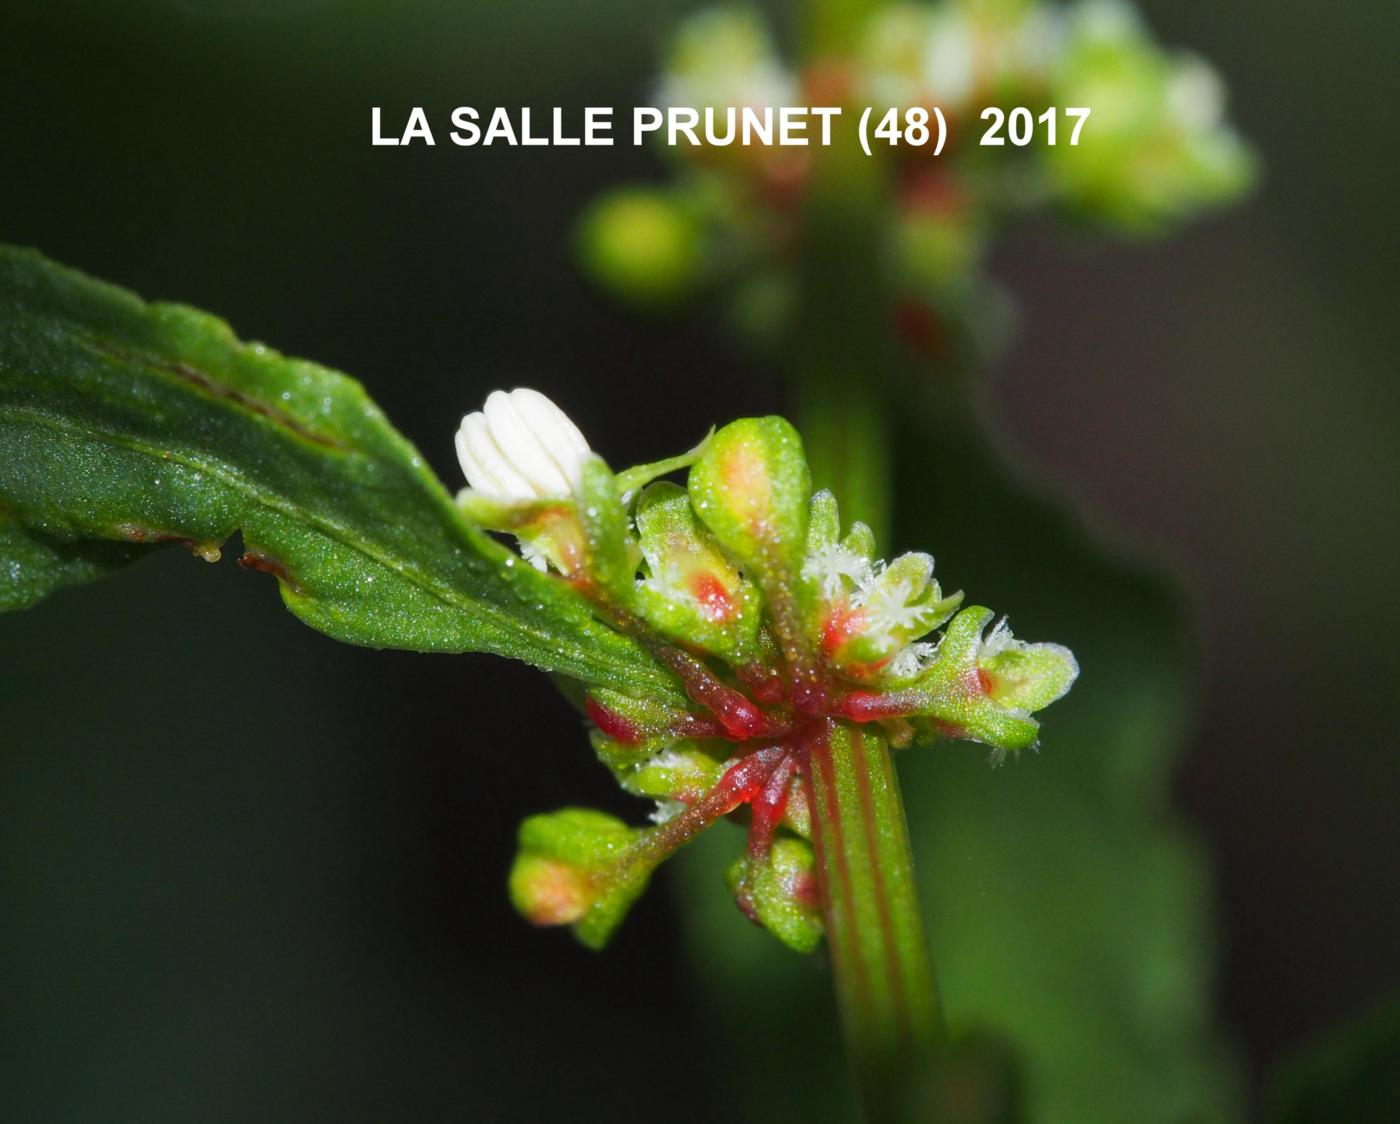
883, 974
844, 351
884, 981
845, 430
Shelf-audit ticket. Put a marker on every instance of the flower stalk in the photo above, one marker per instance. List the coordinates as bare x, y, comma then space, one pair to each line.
883, 975
882, 970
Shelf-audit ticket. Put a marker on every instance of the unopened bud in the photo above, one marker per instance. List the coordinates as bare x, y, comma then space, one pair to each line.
567, 872
779, 891
521, 447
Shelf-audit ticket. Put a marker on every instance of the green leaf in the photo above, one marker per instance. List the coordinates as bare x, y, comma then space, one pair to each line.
33, 564
124, 425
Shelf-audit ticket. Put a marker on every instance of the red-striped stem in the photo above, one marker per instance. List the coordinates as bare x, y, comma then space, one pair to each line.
883, 977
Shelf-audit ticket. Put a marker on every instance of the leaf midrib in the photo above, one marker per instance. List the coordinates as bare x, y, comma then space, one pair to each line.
271, 501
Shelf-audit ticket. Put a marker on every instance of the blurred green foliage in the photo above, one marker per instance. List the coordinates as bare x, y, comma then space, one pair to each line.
1350, 1075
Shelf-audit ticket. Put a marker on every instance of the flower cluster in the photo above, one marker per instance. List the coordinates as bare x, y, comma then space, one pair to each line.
782, 630
1155, 150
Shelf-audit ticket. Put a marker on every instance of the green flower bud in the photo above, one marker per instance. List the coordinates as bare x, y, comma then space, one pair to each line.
891, 608
860, 540
751, 487
567, 872
1025, 676
644, 246
691, 592
823, 523
984, 690
639, 727
679, 775
779, 891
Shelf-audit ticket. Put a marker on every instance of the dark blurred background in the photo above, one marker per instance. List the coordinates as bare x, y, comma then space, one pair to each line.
248, 873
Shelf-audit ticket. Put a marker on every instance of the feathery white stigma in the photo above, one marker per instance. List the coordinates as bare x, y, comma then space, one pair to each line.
833, 566
519, 447
998, 640
911, 660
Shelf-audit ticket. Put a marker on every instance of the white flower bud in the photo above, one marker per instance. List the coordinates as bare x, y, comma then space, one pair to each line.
519, 447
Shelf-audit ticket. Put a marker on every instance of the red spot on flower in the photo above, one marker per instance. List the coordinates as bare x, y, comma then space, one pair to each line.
556, 895
976, 682
745, 476
715, 602
841, 624
612, 723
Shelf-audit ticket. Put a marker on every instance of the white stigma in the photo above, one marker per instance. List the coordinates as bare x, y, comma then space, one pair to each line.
833, 566
519, 447
911, 660
886, 602
998, 640
666, 810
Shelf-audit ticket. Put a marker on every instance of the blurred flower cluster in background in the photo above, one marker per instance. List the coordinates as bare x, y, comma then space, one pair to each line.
1156, 151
